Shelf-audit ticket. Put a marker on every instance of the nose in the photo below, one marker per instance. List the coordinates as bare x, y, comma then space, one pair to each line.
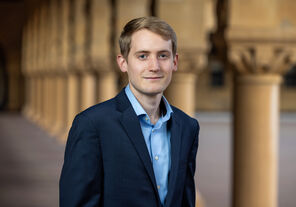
154, 64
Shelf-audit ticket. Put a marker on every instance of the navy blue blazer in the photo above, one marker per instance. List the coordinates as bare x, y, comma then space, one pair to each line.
107, 163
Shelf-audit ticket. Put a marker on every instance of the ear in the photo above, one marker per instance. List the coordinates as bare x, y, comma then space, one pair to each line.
122, 63
175, 61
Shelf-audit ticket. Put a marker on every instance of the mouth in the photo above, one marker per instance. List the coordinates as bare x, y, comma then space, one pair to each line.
153, 78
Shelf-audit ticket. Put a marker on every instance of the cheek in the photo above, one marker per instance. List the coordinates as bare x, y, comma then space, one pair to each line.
168, 70
137, 69
169, 77
133, 73
167, 66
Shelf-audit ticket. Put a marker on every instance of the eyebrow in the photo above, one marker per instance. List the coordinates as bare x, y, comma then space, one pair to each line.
141, 51
164, 51
146, 51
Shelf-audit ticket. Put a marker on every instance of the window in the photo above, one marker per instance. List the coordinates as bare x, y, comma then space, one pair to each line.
217, 74
290, 77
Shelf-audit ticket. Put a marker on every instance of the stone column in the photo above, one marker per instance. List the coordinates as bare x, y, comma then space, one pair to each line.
60, 111
52, 102
34, 56
26, 109
53, 66
38, 63
42, 51
181, 91
192, 25
47, 96
61, 12
40, 96
107, 85
126, 10
102, 49
130, 9
81, 12
37, 94
46, 120
44, 68
256, 123
69, 65
33, 97
24, 69
73, 97
79, 32
88, 90
29, 67
256, 116
64, 60
261, 51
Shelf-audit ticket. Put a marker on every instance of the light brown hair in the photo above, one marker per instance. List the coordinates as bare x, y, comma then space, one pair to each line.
152, 24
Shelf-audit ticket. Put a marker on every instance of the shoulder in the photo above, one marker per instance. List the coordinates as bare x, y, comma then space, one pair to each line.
97, 113
107, 109
103, 108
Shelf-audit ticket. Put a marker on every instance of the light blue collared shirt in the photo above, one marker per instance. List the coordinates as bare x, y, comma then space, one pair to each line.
157, 138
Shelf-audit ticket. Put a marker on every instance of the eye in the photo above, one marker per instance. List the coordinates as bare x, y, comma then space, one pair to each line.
163, 56
142, 56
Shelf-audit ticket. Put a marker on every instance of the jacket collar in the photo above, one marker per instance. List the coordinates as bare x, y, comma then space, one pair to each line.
175, 154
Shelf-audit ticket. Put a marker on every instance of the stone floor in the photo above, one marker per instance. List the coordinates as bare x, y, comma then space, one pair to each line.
30, 164
31, 160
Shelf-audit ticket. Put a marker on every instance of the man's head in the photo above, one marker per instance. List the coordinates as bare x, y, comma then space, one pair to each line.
148, 55
152, 24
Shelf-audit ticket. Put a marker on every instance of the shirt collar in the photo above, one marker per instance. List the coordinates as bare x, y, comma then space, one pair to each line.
139, 109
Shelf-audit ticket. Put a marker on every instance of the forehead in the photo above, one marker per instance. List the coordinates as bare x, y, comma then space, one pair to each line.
149, 41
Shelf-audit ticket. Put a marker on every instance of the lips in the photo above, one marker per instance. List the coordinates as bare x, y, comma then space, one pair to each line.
154, 77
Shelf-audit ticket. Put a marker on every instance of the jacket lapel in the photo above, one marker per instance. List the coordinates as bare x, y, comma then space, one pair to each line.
175, 151
130, 123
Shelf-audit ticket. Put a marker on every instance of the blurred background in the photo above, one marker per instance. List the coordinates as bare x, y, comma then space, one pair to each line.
236, 75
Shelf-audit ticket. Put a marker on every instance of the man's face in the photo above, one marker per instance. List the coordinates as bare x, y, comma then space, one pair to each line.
149, 64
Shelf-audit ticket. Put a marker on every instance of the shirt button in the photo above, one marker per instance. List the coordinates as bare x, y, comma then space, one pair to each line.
146, 118
158, 187
153, 130
156, 157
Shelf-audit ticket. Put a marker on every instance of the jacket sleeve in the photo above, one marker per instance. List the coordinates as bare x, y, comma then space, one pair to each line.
81, 177
189, 190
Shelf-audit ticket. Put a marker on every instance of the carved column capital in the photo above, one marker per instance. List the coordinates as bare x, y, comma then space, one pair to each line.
192, 60
260, 53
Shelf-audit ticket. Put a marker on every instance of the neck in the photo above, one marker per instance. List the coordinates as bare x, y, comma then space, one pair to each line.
150, 103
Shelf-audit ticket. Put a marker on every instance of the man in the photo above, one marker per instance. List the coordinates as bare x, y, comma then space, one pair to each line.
134, 150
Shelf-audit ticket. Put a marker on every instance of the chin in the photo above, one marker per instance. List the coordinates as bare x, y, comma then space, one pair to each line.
153, 91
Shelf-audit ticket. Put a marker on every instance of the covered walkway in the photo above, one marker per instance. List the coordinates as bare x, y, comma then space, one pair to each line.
31, 160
